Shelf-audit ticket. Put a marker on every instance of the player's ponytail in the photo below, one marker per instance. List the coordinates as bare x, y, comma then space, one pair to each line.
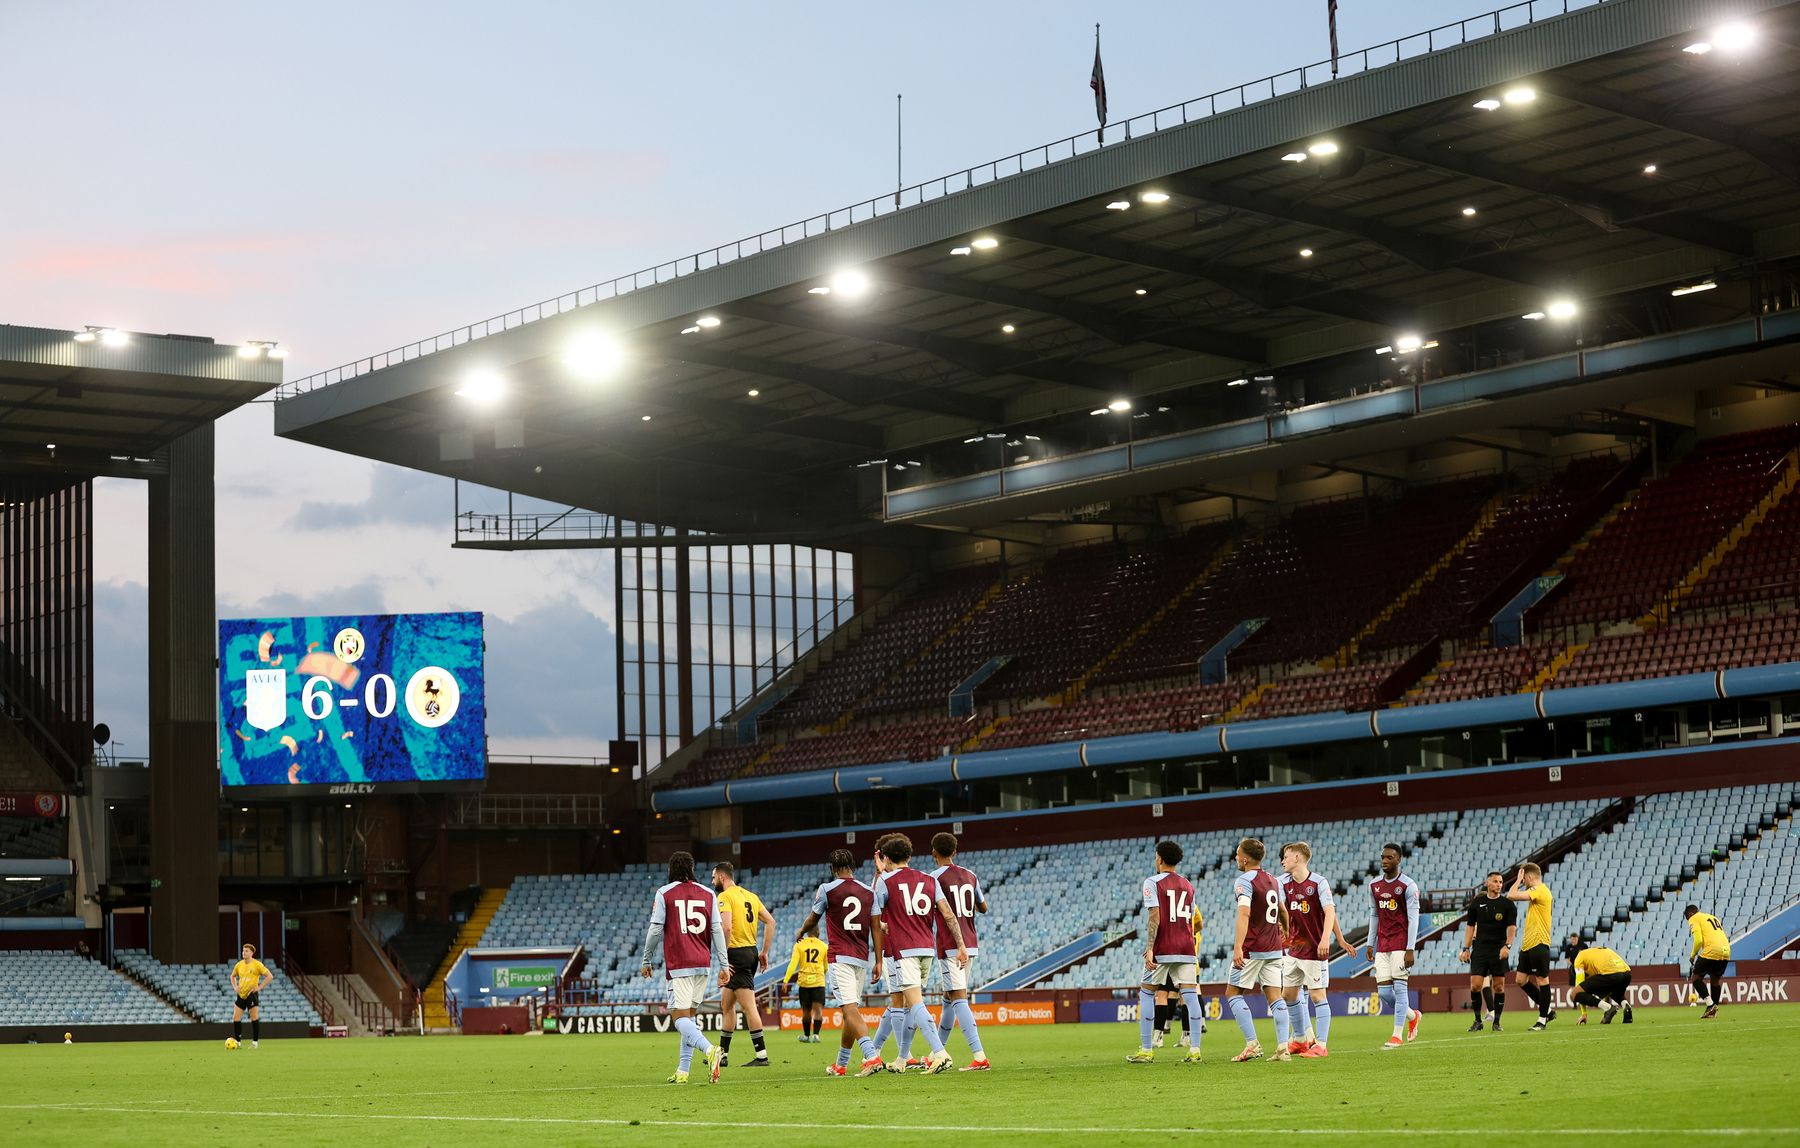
681, 866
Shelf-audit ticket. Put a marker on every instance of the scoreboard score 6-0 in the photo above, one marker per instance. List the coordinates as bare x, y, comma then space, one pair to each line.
388, 699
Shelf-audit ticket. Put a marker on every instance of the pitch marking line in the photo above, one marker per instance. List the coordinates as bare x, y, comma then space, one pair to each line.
800, 1126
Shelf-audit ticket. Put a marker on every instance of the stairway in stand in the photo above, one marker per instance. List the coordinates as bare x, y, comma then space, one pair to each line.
436, 1009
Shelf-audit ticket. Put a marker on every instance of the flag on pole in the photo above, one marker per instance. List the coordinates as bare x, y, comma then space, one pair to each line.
1098, 82
1331, 17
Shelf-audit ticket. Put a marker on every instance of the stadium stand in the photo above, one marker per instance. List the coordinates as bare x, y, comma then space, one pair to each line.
34, 838
1662, 651
62, 988
1143, 711
205, 990
1480, 672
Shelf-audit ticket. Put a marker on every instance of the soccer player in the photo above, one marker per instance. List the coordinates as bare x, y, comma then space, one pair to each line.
894, 1016
1165, 1004
1571, 948
1258, 951
740, 911
249, 977
1534, 942
846, 905
1306, 973
1601, 978
1393, 950
1487, 939
961, 889
1168, 952
904, 901
1710, 955
685, 918
808, 963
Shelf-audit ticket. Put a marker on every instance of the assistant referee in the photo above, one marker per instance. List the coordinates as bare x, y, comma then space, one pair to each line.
1487, 941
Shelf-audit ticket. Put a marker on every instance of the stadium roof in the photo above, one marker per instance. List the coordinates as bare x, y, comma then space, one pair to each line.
106, 402
1476, 172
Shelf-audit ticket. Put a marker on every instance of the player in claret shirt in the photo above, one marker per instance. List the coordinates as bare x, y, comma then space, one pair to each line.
1258, 951
907, 904
1312, 922
847, 905
1168, 953
962, 890
685, 918
1396, 937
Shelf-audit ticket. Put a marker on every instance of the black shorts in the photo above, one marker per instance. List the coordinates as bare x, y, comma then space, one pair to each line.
1535, 961
249, 1000
1486, 963
743, 967
1709, 967
812, 997
1607, 985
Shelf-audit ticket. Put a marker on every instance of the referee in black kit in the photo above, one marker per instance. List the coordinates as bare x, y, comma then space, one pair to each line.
1487, 941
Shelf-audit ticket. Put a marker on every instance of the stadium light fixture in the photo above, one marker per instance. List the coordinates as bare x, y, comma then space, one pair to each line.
1119, 205
1384, 350
960, 250
1153, 197
483, 388
49, 446
818, 290
1306, 253
86, 336
1323, 148
1561, 309
594, 356
1734, 37
1699, 48
1294, 157
1488, 104
644, 418
1238, 383
1141, 291
984, 243
1649, 169
753, 392
1468, 212
1693, 288
707, 322
1097, 411
1119, 406
1519, 95
110, 337
1008, 328
972, 439
1406, 344
994, 434
1534, 316
850, 284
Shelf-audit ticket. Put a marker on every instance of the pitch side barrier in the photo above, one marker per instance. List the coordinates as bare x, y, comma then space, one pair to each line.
1273, 733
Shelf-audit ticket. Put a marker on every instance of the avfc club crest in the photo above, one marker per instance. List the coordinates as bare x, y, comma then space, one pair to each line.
265, 699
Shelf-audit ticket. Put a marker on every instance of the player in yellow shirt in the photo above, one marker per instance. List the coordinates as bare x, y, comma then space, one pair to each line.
1601, 980
1534, 940
1711, 953
740, 911
249, 977
808, 963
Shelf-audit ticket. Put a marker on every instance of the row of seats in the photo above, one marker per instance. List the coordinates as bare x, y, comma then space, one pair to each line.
1664, 651
36, 838
63, 988
205, 990
1169, 709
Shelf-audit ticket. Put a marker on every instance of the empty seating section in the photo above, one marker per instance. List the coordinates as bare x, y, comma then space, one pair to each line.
840, 683
1112, 636
33, 837
1314, 691
205, 990
1664, 651
1445, 606
62, 988
1659, 536
1483, 672
1628, 887
920, 739
1146, 711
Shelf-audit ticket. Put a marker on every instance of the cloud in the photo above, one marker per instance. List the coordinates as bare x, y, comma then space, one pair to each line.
193, 265
121, 664
550, 675
396, 495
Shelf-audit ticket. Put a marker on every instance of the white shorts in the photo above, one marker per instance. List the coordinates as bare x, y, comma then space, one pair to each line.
911, 973
1259, 972
689, 992
846, 983
1305, 974
1169, 976
955, 977
1391, 967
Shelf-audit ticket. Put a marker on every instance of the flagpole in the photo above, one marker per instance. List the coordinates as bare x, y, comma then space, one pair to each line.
1099, 89
899, 141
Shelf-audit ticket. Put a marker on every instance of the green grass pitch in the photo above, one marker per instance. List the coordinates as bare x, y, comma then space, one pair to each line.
1671, 1078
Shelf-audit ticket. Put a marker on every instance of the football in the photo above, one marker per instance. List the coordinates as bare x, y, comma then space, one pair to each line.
231, 1042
